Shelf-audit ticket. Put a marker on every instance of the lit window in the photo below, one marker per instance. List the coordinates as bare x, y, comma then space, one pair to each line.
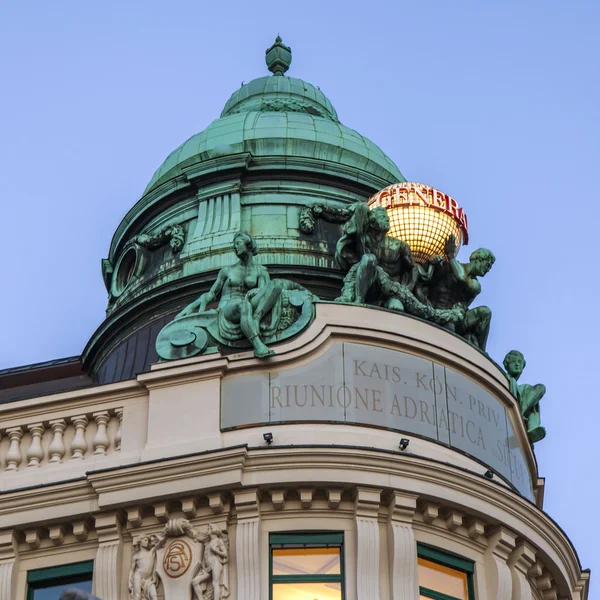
444, 576
48, 584
307, 566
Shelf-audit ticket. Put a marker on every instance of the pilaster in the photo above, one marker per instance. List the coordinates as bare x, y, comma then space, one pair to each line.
402, 547
520, 562
367, 503
501, 543
9, 564
247, 548
107, 567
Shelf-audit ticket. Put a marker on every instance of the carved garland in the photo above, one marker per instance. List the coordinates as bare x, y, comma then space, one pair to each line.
173, 234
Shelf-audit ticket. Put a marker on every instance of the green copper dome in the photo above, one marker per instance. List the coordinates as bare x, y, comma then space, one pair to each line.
277, 148
282, 133
289, 94
287, 117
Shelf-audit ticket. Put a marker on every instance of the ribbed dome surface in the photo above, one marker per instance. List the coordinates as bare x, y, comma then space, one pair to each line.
298, 134
280, 94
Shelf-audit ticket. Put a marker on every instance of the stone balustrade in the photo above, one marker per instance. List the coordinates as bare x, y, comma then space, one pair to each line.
70, 438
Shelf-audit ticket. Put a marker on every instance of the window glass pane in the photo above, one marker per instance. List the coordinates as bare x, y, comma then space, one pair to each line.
307, 591
443, 579
306, 561
53, 591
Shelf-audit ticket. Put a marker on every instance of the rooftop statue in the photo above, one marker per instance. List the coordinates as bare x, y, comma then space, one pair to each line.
253, 310
528, 396
455, 285
381, 269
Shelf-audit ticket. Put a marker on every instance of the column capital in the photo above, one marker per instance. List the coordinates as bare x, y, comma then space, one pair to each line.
9, 560
366, 502
523, 557
247, 503
501, 542
9, 544
402, 507
109, 526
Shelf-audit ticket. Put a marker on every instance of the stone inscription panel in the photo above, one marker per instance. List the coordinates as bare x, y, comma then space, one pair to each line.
310, 392
476, 422
515, 455
367, 385
390, 389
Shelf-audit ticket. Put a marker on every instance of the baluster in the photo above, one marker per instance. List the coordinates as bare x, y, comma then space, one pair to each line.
35, 452
57, 445
100, 442
119, 434
79, 444
13, 456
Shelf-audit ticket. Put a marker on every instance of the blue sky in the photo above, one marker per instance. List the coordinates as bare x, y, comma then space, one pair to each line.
495, 103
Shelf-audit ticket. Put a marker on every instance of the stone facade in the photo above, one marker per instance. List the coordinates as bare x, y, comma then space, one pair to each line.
88, 474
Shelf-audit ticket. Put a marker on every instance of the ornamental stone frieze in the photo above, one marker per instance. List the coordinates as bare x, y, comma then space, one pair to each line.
182, 560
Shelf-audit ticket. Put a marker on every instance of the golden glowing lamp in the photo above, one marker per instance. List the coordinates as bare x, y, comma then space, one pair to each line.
423, 217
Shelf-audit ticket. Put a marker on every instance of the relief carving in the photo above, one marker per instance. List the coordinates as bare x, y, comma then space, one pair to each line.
173, 234
186, 563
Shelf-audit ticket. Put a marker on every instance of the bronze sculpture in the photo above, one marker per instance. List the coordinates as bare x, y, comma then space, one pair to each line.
528, 396
456, 285
252, 308
381, 269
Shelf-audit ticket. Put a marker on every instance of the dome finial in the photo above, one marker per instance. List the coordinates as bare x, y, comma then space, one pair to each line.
278, 57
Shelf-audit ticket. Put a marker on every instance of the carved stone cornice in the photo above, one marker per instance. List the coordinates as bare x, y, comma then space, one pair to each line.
330, 467
220, 468
68, 499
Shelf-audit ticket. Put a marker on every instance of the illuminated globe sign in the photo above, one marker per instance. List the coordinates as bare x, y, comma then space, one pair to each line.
423, 217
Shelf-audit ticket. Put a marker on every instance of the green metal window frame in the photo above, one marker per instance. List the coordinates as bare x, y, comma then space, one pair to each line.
306, 539
447, 560
70, 573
